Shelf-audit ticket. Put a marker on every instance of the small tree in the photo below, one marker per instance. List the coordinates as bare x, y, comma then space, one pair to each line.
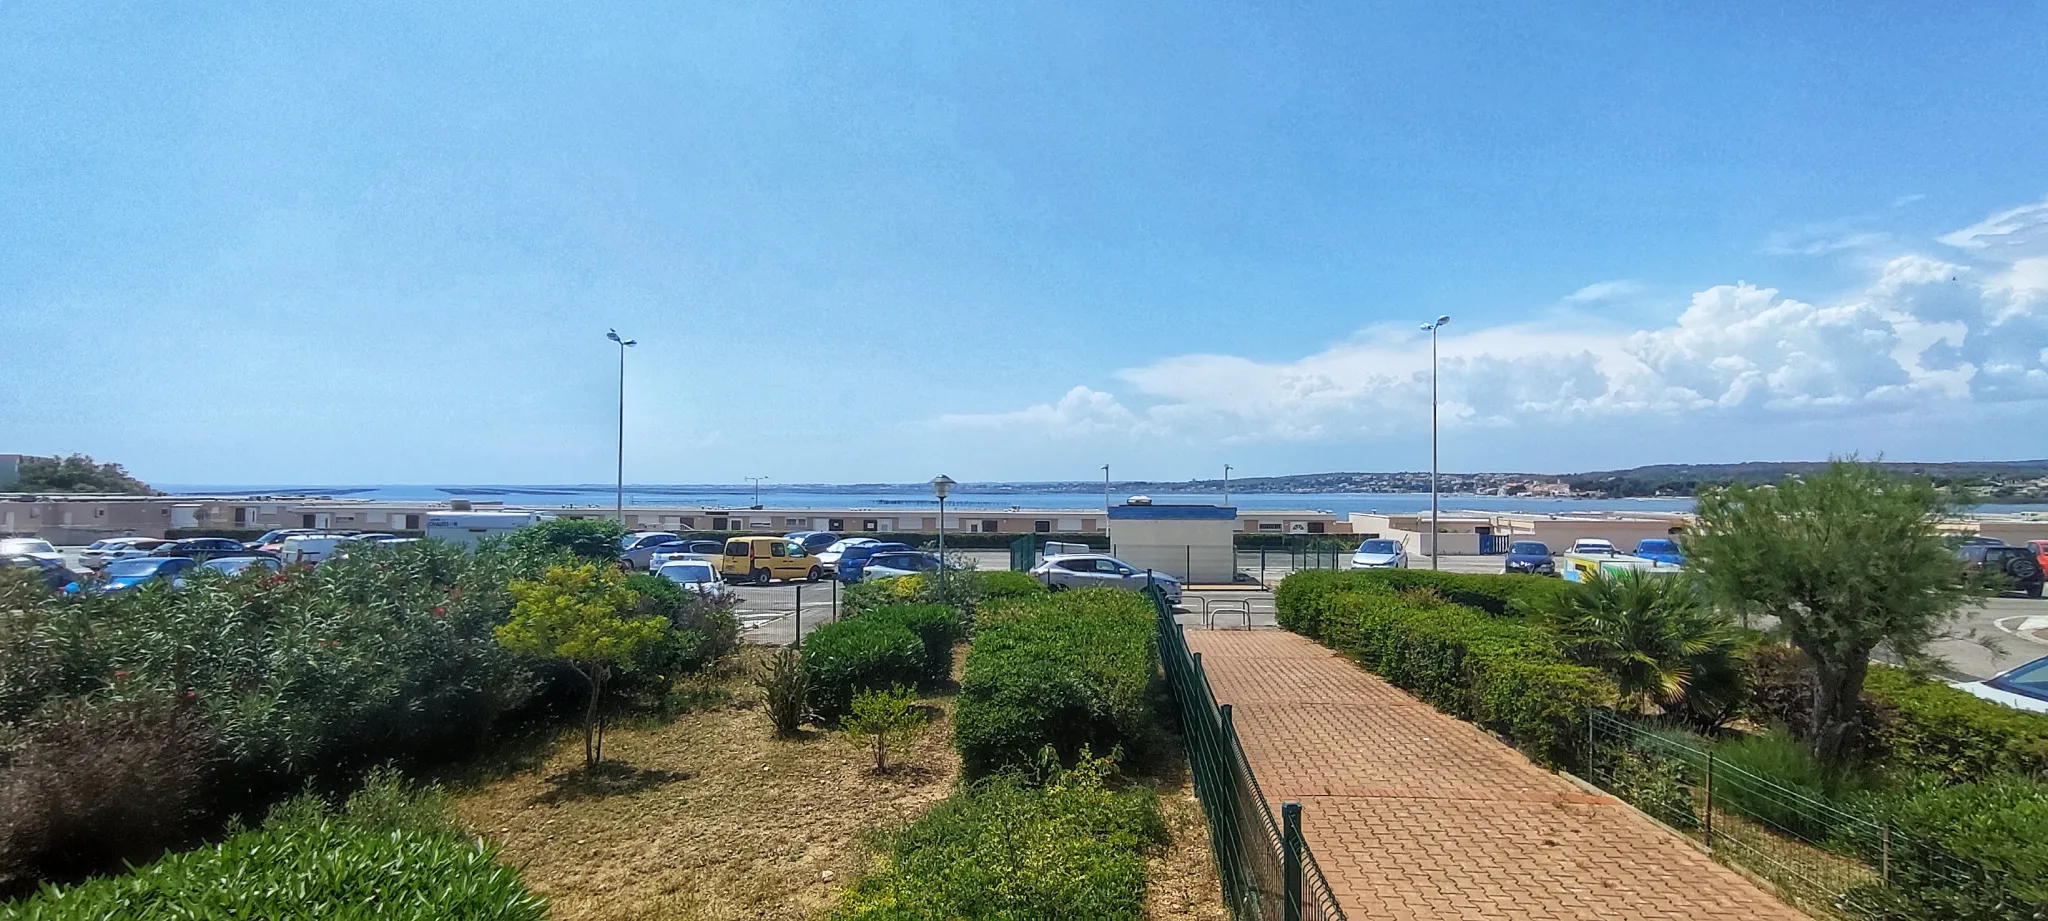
1848, 560
885, 718
586, 617
77, 473
593, 539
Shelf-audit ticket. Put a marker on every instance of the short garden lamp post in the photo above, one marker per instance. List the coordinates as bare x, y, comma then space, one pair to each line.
941, 485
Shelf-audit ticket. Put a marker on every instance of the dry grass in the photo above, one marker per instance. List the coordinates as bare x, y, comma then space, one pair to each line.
1182, 879
706, 817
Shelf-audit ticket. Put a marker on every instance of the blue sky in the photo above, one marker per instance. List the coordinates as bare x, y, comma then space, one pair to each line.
305, 244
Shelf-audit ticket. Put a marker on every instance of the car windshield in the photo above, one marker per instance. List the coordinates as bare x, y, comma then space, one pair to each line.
688, 572
2030, 680
121, 568
25, 545
1381, 545
1529, 548
1658, 546
231, 565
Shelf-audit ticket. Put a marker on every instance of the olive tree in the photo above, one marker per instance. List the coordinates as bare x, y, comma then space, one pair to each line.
1849, 560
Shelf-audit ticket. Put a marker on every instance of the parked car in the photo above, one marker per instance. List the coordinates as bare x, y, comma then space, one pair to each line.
637, 550
2021, 688
311, 548
896, 563
1099, 570
128, 575
853, 559
830, 556
761, 560
236, 565
814, 541
1661, 551
2040, 548
1532, 557
2012, 569
705, 551
273, 541
100, 552
29, 546
55, 575
1593, 546
697, 576
203, 548
1380, 553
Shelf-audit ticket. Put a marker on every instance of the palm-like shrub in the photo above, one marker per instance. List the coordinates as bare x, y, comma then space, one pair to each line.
1666, 648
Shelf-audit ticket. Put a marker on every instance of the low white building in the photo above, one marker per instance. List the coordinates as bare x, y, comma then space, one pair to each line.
1193, 543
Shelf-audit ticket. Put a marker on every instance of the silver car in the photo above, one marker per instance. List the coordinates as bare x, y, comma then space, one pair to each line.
1100, 570
637, 550
101, 552
1380, 553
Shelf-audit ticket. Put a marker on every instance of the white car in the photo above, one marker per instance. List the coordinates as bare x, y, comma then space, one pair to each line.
99, 553
829, 557
311, 548
30, 547
702, 551
1593, 546
895, 563
1380, 553
2022, 688
697, 576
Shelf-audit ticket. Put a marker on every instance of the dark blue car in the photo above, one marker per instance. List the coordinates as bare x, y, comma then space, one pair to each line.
132, 573
1663, 551
1531, 557
855, 559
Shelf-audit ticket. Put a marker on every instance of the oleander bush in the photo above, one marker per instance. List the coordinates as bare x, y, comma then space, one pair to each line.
856, 654
1075, 671
1002, 850
386, 855
1505, 674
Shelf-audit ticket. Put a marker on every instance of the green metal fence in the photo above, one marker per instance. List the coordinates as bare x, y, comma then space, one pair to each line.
1266, 867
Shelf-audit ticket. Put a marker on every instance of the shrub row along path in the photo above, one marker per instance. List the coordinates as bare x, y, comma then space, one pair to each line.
1417, 815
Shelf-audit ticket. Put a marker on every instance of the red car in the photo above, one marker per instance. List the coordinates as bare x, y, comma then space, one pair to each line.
2040, 548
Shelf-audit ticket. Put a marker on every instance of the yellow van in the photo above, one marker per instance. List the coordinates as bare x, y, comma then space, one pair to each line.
762, 559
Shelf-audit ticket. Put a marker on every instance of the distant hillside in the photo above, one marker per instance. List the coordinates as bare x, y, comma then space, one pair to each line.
2019, 480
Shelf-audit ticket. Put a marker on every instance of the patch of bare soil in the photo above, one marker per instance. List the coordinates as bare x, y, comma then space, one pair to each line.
707, 817
1182, 878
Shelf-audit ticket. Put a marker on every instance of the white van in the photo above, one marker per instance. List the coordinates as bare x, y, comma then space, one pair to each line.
466, 528
310, 548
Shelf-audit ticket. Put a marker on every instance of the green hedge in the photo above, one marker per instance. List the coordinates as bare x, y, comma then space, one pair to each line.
1070, 849
1499, 595
1074, 670
857, 654
937, 627
386, 856
999, 585
1501, 673
1968, 852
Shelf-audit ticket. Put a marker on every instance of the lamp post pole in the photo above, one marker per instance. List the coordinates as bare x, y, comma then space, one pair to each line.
941, 485
1105, 488
620, 496
756, 480
1434, 530
1226, 484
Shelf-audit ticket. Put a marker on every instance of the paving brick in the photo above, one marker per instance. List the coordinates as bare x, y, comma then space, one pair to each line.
1413, 814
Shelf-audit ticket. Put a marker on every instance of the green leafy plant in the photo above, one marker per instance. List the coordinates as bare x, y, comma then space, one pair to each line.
1965, 852
887, 719
859, 654
1848, 559
587, 618
1074, 671
76, 473
1666, 649
786, 690
1656, 785
594, 540
1072, 847
1776, 780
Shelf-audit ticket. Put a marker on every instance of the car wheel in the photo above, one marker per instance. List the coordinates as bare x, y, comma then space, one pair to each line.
1054, 587
761, 577
2034, 590
814, 575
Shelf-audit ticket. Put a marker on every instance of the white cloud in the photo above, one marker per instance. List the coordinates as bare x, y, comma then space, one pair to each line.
1820, 242
1904, 200
1605, 291
1923, 335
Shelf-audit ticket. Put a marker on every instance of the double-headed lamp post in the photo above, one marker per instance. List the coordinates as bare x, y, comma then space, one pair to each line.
1226, 484
624, 344
941, 485
1432, 329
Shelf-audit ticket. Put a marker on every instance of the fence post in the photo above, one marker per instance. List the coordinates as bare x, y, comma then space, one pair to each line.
1290, 860
799, 616
1589, 746
1187, 565
835, 599
1709, 833
1262, 564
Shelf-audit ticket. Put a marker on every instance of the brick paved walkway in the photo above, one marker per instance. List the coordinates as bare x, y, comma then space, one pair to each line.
1416, 815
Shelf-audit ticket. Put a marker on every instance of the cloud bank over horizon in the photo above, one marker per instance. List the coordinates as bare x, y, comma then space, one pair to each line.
1958, 323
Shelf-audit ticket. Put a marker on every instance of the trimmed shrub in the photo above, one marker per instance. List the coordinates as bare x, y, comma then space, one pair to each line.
387, 854
1968, 852
1303, 596
937, 628
1503, 674
595, 540
1072, 848
1075, 671
859, 654
1002, 584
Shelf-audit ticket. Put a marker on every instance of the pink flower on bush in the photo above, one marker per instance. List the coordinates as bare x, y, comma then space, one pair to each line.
439, 612
191, 695
121, 675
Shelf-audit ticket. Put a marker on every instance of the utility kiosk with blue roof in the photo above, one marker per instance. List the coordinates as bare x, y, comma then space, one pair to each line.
1193, 543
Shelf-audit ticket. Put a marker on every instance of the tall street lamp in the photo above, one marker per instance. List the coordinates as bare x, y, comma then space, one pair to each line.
1226, 484
624, 344
1432, 329
941, 485
756, 480
1105, 489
